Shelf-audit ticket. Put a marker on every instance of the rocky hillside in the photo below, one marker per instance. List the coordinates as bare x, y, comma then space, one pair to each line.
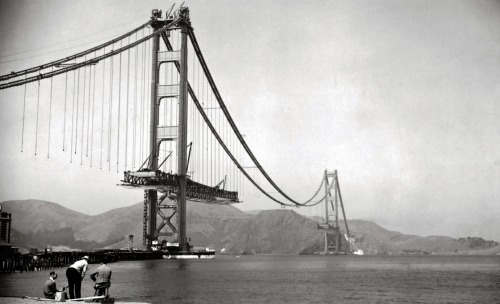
36, 224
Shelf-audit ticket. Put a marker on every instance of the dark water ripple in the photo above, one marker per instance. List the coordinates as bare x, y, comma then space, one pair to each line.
292, 279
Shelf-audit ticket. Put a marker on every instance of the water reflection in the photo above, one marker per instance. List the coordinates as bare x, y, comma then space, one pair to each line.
292, 279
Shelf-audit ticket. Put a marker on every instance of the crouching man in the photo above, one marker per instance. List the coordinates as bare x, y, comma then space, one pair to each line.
102, 278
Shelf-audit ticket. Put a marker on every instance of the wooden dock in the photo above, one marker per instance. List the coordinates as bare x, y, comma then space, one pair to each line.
32, 262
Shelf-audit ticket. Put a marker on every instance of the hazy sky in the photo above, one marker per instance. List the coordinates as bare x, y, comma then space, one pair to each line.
401, 97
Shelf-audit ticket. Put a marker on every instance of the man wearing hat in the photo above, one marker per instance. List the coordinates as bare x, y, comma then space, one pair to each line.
75, 274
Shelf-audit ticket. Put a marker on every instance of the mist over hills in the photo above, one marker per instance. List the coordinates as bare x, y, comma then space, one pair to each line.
37, 224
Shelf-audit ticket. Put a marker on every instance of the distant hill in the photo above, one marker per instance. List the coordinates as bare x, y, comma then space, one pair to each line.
39, 223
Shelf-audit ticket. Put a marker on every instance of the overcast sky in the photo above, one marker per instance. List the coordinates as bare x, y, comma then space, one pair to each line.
401, 97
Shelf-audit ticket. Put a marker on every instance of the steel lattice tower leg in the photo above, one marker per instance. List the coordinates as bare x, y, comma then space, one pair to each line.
152, 195
182, 142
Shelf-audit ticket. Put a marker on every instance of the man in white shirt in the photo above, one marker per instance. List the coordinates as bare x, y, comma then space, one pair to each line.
75, 274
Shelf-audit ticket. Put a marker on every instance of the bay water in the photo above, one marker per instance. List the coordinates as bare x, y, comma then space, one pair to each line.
288, 279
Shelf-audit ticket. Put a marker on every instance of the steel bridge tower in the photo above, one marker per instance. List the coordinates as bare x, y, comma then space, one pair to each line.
165, 194
158, 134
333, 239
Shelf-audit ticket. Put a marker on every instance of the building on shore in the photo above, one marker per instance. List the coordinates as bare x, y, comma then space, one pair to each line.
5, 223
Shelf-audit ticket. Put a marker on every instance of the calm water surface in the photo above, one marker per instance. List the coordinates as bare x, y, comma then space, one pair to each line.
290, 279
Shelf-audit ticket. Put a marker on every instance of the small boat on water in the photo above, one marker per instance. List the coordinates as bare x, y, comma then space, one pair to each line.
358, 252
173, 252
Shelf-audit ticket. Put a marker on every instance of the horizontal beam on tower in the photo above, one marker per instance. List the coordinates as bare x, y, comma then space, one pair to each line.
145, 179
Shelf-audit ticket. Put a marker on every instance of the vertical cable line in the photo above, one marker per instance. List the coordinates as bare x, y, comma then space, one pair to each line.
135, 106
77, 109
147, 93
141, 107
192, 74
211, 148
127, 107
143, 97
102, 108
171, 144
37, 109
24, 114
119, 108
83, 109
50, 118
93, 115
88, 112
65, 100
110, 111
207, 138
220, 152
72, 117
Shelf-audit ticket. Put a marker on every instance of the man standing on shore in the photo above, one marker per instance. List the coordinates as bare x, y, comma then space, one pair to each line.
75, 274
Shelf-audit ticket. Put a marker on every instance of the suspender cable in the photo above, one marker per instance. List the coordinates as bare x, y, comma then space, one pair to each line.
135, 106
171, 122
142, 96
111, 72
88, 112
194, 130
93, 115
208, 144
102, 108
83, 111
54, 63
147, 89
24, 114
220, 152
141, 109
212, 147
50, 118
119, 108
77, 109
72, 118
65, 100
200, 134
127, 107
37, 109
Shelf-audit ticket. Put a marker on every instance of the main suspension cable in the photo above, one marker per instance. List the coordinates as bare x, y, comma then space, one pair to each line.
229, 118
78, 55
221, 142
87, 62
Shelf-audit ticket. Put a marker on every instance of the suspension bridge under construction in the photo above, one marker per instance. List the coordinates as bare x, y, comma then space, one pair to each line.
146, 104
